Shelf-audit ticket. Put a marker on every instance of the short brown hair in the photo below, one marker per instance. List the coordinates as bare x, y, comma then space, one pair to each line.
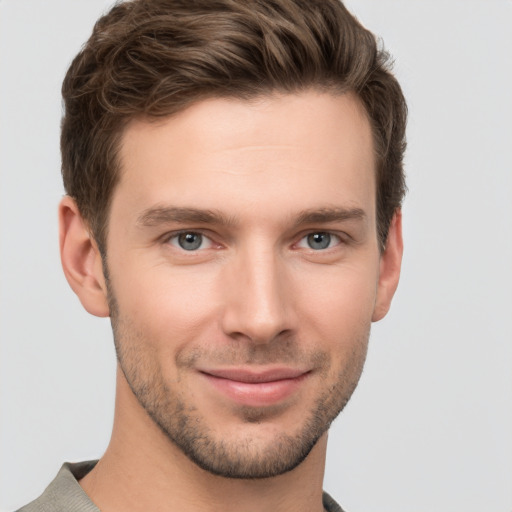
153, 58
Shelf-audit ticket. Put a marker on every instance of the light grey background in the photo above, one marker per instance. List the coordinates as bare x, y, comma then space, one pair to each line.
430, 427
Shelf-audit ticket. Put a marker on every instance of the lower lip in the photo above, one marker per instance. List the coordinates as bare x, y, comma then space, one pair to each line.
256, 394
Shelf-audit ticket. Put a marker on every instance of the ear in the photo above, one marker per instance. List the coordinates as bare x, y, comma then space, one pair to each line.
390, 264
81, 259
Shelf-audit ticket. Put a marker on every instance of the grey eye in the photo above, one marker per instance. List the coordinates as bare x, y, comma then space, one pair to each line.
190, 241
319, 241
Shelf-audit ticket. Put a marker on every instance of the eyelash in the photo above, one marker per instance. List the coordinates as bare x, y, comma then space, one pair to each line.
340, 239
176, 236
330, 236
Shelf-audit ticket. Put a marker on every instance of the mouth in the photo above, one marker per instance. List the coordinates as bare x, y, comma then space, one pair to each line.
256, 388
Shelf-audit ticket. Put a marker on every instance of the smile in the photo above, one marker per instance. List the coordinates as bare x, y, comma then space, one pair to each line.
256, 388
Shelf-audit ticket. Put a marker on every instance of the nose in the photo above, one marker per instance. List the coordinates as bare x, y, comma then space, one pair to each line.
258, 300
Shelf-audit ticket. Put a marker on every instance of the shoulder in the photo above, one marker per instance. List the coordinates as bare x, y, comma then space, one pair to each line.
330, 505
64, 493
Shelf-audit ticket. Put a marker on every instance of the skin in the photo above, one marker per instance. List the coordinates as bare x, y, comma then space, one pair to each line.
259, 296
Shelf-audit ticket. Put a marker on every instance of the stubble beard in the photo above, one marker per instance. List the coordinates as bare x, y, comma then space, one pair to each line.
184, 426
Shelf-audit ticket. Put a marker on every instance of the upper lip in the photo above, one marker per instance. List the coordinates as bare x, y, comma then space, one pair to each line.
255, 376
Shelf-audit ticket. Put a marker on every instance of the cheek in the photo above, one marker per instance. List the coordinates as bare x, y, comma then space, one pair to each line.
336, 318
340, 300
170, 308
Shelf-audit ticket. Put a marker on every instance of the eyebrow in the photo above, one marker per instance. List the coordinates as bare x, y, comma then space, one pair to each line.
168, 214
327, 215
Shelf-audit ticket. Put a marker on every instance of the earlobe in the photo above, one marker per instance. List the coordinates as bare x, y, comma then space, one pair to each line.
81, 259
390, 264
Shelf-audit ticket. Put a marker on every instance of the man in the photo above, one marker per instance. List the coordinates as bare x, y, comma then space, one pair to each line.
234, 180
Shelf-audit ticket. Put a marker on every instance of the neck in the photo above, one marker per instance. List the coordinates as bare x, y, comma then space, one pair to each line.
143, 470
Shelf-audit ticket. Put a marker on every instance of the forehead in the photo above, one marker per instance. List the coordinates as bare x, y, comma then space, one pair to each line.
273, 153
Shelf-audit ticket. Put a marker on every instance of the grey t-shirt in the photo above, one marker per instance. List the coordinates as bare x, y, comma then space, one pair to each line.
64, 494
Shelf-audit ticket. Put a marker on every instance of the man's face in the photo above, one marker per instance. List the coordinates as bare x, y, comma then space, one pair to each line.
243, 269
